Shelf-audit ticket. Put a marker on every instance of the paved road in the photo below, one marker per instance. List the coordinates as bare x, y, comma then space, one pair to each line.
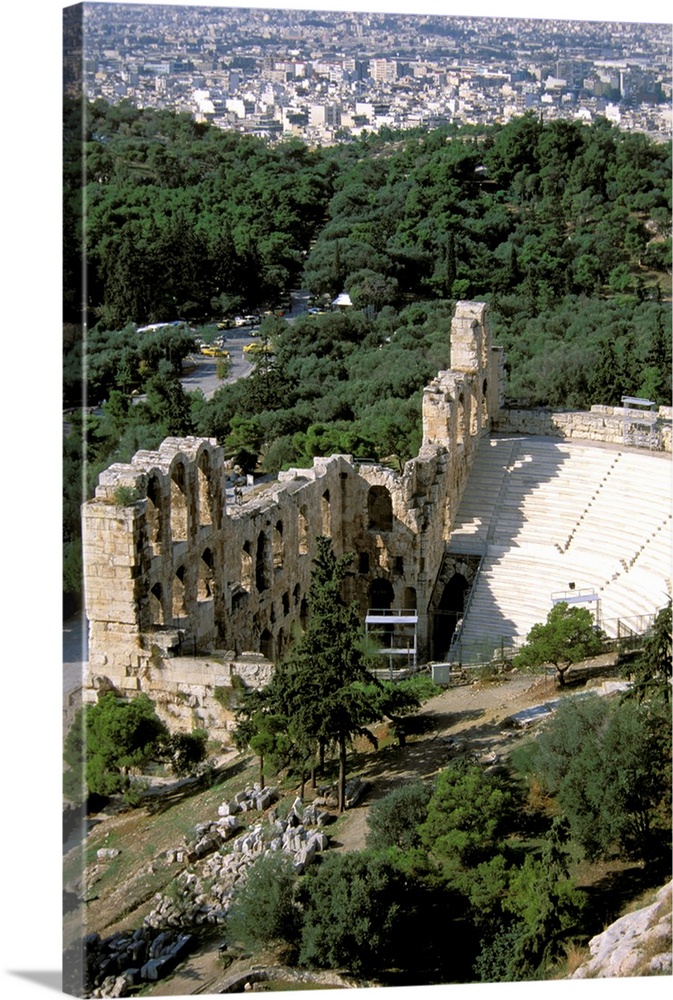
203, 376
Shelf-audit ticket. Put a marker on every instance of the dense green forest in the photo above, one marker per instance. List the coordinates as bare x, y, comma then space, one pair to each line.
563, 228
182, 217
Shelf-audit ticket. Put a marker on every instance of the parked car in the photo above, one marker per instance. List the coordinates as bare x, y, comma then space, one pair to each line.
258, 348
213, 351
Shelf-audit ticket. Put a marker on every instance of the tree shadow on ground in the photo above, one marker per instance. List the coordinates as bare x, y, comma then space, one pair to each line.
438, 719
611, 893
420, 758
165, 798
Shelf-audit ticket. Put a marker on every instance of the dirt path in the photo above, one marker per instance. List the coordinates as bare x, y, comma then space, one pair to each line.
468, 717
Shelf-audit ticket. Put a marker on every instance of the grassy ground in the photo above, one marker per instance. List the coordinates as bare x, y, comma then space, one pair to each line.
120, 892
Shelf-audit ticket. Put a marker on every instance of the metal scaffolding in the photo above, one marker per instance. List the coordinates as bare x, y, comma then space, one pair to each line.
396, 632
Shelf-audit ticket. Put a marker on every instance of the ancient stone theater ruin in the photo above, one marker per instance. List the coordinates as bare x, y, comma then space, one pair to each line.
501, 513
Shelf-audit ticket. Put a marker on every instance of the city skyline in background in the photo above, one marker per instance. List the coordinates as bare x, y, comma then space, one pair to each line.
324, 76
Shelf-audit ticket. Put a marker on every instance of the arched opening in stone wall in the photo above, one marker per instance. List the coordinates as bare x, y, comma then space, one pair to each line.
460, 420
410, 598
280, 644
178, 503
448, 613
381, 594
278, 546
380, 509
266, 644
303, 613
246, 567
296, 594
262, 563
302, 531
157, 605
286, 603
326, 512
179, 609
204, 589
154, 514
475, 412
205, 500
484, 403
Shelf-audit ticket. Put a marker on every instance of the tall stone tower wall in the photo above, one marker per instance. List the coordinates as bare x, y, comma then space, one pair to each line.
460, 405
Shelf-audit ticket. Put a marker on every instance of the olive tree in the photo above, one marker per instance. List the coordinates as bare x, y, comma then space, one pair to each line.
569, 634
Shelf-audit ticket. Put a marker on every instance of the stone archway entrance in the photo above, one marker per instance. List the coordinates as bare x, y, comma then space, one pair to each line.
381, 594
447, 614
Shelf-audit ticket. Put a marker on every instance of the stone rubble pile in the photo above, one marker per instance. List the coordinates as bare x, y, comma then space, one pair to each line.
204, 897
202, 894
117, 964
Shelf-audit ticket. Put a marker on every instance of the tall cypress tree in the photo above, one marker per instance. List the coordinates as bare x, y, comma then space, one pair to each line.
320, 684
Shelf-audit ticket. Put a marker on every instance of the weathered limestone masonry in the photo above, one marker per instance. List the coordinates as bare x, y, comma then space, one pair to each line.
184, 591
610, 424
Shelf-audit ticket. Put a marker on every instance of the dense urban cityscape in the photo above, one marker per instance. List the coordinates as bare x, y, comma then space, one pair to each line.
325, 76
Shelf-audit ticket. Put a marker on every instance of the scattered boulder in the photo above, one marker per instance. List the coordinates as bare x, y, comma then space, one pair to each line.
355, 789
115, 965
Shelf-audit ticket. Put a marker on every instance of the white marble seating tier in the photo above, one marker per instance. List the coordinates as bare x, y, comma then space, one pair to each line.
558, 512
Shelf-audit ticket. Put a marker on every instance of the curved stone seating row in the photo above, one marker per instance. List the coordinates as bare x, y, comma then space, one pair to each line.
629, 507
594, 516
544, 487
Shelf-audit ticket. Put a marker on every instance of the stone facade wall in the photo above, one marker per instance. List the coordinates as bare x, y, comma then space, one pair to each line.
174, 573
186, 690
626, 426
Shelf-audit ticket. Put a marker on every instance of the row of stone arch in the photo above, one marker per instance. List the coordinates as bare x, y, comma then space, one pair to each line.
174, 514
195, 581
472, 414
172, 605
173, 518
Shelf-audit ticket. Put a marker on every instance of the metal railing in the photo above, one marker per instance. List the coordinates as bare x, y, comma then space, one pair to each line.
457, 635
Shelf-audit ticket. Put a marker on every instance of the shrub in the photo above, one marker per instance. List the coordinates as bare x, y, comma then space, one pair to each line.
468, 814
135, 792
264, 909
185, 751
124, 496
110, 739
394, 820
607, 765
229, 697
352, 913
